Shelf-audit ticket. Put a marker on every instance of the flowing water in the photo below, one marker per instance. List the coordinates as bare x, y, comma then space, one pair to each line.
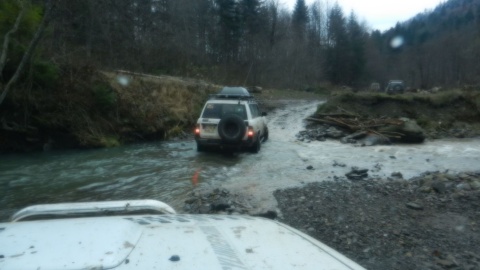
168, 171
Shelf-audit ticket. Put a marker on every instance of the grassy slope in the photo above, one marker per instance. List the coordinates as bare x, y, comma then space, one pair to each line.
87, 108
158, 105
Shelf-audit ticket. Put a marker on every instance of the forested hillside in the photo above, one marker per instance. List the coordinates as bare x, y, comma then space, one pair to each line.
237, 42
254, 42
441, 47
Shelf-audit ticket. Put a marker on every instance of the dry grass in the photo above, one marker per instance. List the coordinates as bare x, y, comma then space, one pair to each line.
159, 104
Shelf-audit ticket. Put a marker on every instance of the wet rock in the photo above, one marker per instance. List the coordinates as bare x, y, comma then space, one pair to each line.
375, 139
441, 178
463, 186
317, 134
190, 201
310, 167
353, 138
216, 201
439, 187
414, 206
377, 167
475, 184
397, 175
220, 205
357, 174
446, 263
410, 131
338, 164
346, 140
269, 214
204, 209
334, 133
425, 189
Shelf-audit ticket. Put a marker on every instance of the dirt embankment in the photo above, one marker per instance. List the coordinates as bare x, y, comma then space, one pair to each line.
88, 108
452, 113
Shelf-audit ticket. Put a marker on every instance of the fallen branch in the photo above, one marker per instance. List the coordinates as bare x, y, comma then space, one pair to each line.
347, 112
335, 115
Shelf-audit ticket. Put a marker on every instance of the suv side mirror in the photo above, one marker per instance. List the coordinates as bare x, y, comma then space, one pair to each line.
264, 114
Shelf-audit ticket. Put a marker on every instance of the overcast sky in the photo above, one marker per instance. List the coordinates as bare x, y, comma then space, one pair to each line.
379, 14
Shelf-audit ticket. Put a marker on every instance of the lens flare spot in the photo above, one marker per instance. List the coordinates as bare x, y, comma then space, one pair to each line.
123, 80
397, 42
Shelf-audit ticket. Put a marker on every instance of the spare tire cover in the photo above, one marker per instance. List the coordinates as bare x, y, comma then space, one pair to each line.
231, 128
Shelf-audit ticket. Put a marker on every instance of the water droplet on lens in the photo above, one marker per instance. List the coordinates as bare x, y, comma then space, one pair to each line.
123, 80
397, 42
175, 258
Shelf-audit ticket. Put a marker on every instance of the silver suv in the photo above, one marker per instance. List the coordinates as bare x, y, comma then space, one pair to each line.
231, 120
395, 87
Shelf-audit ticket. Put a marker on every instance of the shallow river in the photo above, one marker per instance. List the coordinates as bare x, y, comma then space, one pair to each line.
168, 171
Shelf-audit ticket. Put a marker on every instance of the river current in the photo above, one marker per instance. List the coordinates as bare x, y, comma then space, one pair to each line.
168, 171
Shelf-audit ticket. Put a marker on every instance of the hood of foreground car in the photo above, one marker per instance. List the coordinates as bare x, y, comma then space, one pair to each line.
163, 242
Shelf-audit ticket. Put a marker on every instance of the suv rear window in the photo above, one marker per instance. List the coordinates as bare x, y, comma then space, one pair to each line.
218, 111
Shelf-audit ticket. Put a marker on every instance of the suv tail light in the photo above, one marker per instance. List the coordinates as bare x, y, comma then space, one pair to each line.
197, 129
250, 132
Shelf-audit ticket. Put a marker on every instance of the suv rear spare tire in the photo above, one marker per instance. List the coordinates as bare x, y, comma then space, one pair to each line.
231, 128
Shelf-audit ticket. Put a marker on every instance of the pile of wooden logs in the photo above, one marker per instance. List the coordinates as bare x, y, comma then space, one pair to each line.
356, 123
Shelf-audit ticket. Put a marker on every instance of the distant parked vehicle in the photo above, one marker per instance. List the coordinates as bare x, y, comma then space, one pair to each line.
395, 87
375, 87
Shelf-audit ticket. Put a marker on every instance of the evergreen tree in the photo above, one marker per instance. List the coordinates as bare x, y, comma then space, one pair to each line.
251, 16
337, 61
357, 50
230, 29
300, 19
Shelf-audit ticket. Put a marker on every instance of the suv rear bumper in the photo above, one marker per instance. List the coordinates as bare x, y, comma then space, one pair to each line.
218, 143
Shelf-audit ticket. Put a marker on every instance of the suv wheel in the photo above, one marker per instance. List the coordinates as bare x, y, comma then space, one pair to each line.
256, 146
231, 128
265, 137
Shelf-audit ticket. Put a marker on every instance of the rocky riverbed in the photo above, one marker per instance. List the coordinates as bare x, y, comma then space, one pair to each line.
429, 222
397, 220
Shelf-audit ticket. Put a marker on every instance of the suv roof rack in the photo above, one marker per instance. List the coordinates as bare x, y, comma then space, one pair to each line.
233, 92
235, 96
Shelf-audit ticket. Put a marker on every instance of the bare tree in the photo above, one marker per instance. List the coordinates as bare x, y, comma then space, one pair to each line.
5, 87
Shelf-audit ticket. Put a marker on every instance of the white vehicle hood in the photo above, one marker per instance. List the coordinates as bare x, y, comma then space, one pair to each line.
163, 242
